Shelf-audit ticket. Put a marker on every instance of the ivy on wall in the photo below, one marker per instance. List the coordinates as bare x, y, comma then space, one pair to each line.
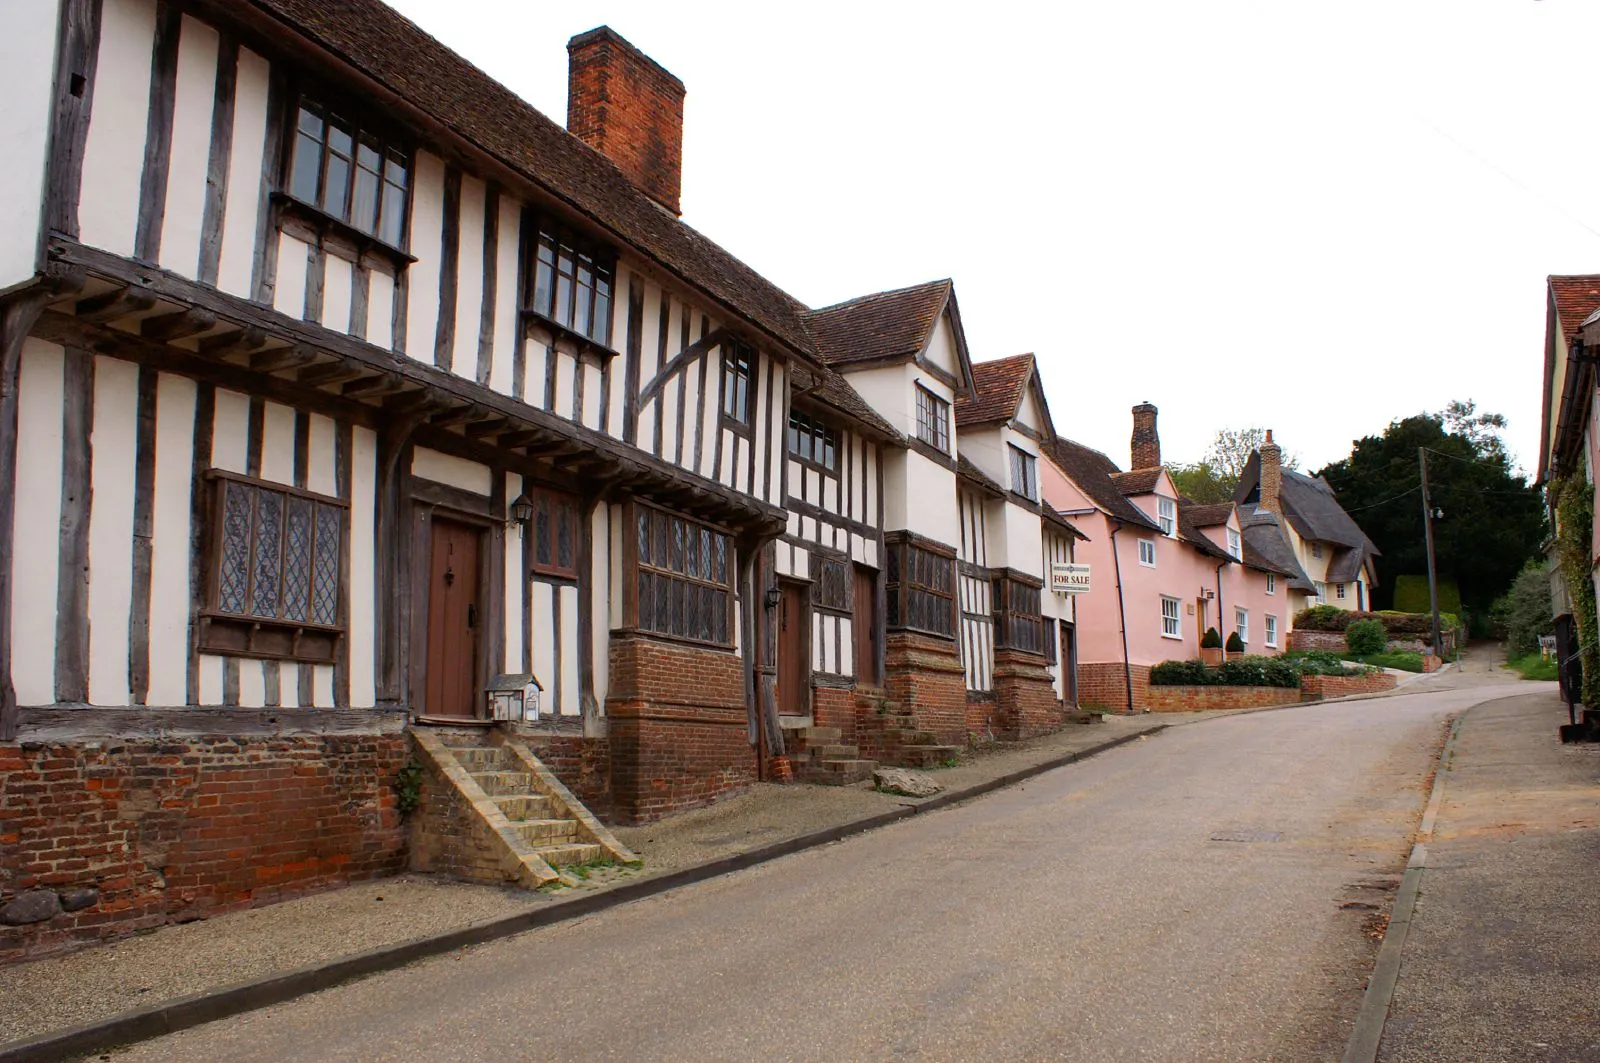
1574, 550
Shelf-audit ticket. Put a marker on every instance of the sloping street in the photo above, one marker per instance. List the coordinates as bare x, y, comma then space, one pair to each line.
1214, 892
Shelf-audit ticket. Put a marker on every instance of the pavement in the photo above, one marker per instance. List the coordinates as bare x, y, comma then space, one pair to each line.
1502, 959
1214, 892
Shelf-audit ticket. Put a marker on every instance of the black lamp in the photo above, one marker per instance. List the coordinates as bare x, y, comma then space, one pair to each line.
522, 510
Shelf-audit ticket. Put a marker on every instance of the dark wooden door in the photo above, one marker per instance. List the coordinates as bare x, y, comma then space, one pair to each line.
794, 642
1069, 662
454, 620
864, 626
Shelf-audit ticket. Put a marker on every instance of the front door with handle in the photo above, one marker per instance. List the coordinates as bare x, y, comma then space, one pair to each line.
453, 620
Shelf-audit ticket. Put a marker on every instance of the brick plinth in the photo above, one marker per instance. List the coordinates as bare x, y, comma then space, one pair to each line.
582, 764
925, 676
835, 707
1313, 687
1102, 686
981, 711
168, 831
679, 730
1197, 698
1025, 699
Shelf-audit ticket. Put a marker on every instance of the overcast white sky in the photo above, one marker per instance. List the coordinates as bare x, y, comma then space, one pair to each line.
1309, 216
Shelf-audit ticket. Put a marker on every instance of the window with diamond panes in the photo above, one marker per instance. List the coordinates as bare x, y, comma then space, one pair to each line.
830, 587
921, 589
277, 565
553, 534
684, 576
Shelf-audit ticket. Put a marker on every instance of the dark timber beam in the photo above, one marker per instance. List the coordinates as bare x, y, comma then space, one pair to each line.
119, 302
177, 326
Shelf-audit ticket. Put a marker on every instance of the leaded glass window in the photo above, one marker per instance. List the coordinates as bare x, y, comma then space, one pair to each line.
830, 587
278, 555
572, 283
684, 577
553, 536
349, 174
922, 588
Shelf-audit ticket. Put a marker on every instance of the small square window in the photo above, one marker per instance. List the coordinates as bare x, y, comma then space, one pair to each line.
1024, 473
1272, 583
1235, 547
1241, 625
1338, 591
1171, 618
813, 442
1147, 553
1167, 515
737, 373
1272, 631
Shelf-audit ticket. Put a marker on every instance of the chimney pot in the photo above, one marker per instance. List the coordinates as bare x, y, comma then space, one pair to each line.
626, 106
1145, 452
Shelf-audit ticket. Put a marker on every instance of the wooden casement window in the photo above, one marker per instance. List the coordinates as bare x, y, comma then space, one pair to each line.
738, 369
1024, 473
813, 442
349, 174
553, 534
921, 588
276, 565
830, 586
573, 283
1018, 624
684, 577
933, 420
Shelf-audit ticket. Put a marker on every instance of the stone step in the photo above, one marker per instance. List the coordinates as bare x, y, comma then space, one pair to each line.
919, 738
568, 855
818, 736
525, 806
543, 832
478, 758
833, 752
838, 772
497, 783
923, 756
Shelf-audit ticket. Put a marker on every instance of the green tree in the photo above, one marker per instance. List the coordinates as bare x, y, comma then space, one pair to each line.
1213, 478
1524, 611
1493, 518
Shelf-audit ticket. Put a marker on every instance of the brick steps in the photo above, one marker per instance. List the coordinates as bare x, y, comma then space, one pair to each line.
891, 734
821, 757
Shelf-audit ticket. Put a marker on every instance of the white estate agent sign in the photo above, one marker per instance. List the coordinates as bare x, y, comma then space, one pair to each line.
1069, 579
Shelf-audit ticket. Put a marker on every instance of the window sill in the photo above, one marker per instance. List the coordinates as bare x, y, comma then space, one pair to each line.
268, 639
1175, 638
1147, 564
326, 224
585, 344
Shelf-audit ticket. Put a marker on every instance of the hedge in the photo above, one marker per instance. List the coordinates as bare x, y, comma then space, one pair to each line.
1396, 625
1239, 672
1411, 594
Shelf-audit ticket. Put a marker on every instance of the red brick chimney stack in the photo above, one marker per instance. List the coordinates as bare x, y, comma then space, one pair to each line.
624, 105
1146, 449
1271, 474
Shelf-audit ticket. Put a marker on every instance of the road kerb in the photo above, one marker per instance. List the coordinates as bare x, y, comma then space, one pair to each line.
1368, 1032
183, 1013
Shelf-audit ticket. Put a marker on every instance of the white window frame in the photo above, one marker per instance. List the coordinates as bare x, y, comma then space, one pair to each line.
1272, 631
1147, 548
1241, 624
1338, 591
1235, 545
1322, 591
1171, 617
1272, 583
1167, 515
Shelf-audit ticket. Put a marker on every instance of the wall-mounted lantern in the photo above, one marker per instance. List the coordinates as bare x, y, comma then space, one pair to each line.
514, 696
774, 597
521, 511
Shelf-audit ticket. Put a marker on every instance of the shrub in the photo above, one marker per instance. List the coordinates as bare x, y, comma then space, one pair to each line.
1211, 640
1320, 662
1178, 674
1235, 643
1524, 611
1258, 672
1365, 637
1406, 662
1323, 618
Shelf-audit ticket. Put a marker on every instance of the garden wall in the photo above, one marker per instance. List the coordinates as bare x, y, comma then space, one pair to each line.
1196, 698
1317, 687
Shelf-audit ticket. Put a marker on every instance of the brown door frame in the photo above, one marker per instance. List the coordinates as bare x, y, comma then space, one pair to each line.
422, 516
1067, 659
802, 590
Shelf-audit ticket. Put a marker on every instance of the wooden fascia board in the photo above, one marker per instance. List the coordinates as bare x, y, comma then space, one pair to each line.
272, 36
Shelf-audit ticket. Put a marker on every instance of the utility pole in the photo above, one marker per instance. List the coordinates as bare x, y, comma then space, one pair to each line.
1427, 531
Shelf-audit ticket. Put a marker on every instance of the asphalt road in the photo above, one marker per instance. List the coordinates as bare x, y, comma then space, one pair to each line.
1204, 894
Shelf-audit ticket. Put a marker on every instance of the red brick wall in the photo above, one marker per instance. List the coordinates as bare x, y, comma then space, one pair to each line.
925, 676
1025, 698
170, 831
1332, 641
1338, 686
679, 729
582, 764
1102, 686
624, 105
982, 712
1193, 699
835, 707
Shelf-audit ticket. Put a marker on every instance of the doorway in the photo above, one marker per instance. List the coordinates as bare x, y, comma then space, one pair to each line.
864, 626
1069, 661
454, 619
794, 640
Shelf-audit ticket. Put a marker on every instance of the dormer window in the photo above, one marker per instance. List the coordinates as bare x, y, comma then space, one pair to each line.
572, 283
813, 442
1235, 547
349, 174
1167, 515
933, 420
1316, 550
1024, 473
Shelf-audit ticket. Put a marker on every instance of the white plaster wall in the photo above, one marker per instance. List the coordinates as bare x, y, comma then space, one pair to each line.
449, 469
27, 63
289, 295
941, 350
277, 443
542, 626
113, 160
507, 299
887, 389
337, 282
920, 496
35, 552
322, 464
111, 476
571, 704
170, 593
380, 309
363, 590
193, 103
244, 175
427, 228
469, 279
513, 575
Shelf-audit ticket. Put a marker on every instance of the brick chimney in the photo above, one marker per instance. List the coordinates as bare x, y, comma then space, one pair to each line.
1146, 449
1271, 474
624, 105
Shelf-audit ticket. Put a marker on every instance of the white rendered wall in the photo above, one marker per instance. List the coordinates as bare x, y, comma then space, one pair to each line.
35, 550
27, 64
113, 161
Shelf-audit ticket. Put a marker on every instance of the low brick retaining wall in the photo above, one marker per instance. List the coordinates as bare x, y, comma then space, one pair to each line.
1317, 687
1195, 698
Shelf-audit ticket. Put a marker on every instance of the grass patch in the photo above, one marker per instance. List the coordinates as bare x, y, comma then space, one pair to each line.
1533, 667
1406, 662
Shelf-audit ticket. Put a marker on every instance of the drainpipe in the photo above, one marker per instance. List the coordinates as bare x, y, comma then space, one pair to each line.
1220, 614
1122, 613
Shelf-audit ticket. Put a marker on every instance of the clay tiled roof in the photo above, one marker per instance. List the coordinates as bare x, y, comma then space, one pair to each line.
386, 47
1209, 516
1190, 532
1054, 516
1138, 481
997, 389
883, 326
823, 385
1092, 472
1576, 297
